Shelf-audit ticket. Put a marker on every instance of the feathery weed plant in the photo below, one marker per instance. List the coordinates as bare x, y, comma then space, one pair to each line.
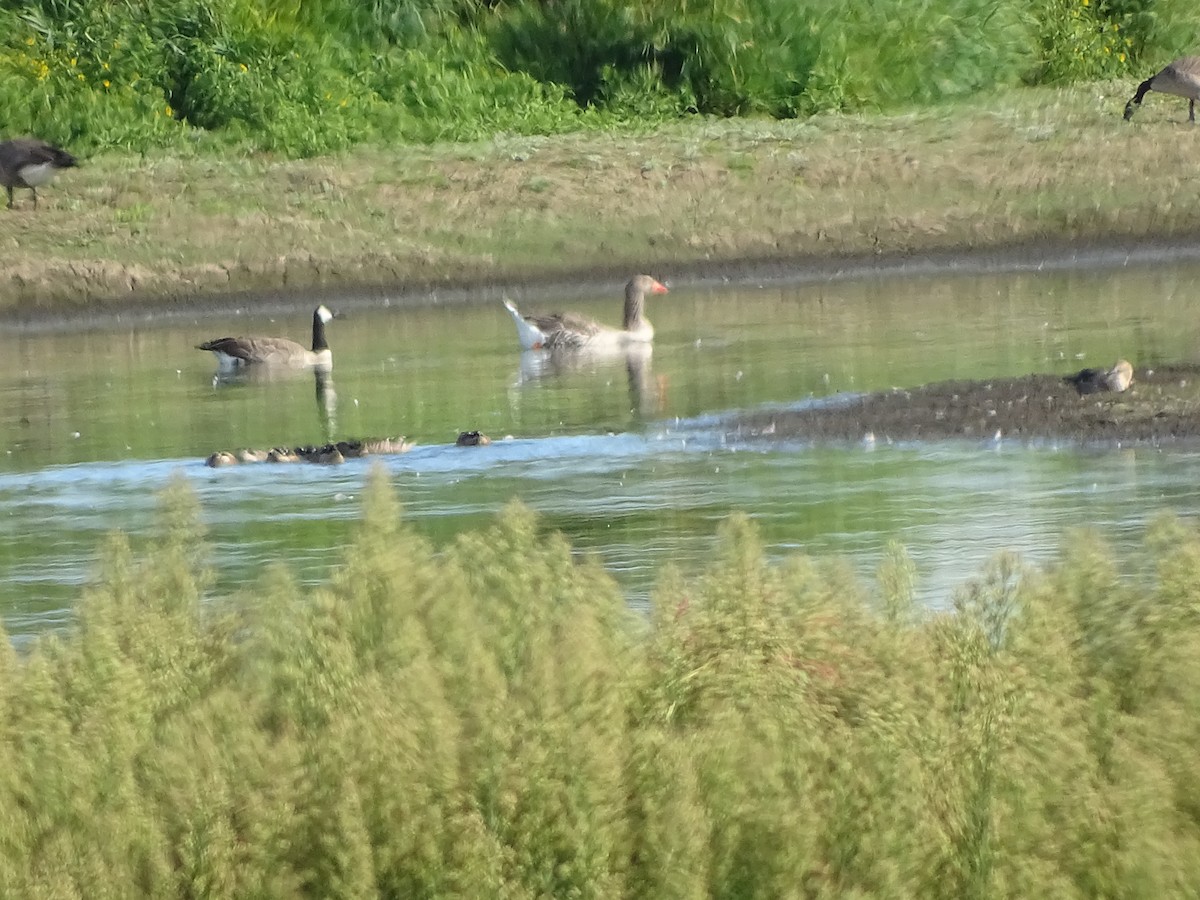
489, 719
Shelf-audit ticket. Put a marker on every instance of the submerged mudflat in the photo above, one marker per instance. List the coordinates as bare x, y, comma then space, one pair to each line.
1162, 405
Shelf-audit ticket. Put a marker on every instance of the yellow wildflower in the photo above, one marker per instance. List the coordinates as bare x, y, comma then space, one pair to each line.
105, 82
243, 67
29, 40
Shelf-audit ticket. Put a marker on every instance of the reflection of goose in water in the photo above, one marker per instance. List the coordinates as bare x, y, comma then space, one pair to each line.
568, 331
326, 403
236, 352
242, 376
326, 393
646, 392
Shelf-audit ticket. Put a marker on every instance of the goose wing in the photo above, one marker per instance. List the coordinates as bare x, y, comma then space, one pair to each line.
566, 329
255, 349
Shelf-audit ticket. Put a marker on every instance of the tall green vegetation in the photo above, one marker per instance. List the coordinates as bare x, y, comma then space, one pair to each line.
303, 77
488, 719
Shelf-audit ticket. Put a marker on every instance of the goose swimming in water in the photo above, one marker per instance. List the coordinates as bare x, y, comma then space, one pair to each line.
233, 352
327, 454
30, 163
568, 331
227, 458
472, 439
1093, 381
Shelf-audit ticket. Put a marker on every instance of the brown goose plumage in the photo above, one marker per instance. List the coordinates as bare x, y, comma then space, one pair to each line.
234, 352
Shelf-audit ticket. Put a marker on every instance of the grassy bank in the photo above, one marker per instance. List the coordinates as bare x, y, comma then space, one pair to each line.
1021, 166
488, 720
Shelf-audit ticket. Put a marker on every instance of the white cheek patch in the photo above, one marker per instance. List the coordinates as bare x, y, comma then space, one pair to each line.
36, 175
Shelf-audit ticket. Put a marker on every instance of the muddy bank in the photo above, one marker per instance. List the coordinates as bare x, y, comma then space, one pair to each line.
534, 286
1162, 405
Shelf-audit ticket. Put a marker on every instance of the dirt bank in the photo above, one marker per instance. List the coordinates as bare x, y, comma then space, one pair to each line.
1162, 406
1025, 171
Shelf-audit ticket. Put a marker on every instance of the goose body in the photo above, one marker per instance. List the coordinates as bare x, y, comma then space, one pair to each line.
568, 331
1093, 381
1181, 78
234, 352
28, 162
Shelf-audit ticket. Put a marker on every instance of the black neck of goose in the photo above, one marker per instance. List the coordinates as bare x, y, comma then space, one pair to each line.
319, 342
635, 306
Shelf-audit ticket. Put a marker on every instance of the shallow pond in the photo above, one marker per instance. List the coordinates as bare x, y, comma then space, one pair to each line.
631, 458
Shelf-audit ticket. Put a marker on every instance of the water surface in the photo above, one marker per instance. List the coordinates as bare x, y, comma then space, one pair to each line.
631, 458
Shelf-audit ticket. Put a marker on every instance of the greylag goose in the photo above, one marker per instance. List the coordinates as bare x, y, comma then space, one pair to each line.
1181, 78
233, 352
28, 162
567, 331
1092, 381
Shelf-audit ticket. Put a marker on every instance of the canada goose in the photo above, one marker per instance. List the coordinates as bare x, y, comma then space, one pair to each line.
1092, 381
232, 352
562, 331
472, 439
28, 162
1181, 78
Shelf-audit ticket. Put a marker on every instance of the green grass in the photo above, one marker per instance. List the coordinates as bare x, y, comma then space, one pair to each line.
488, 719
1012, 168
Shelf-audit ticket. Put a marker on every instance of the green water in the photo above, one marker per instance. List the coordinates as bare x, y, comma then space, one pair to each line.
628, 456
